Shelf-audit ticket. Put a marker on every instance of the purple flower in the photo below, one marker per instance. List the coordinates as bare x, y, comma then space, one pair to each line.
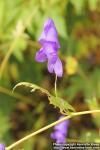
49, 50
61, 131
2, 147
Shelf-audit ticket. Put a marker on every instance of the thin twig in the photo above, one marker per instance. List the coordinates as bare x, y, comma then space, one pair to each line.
49, 126
56, 85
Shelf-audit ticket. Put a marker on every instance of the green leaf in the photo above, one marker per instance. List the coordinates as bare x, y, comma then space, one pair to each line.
78, 4
93, 104
89, 136
93, 4
20, 47
33, 87
4, 124
28, 145
1, 13
6, 108
65, 107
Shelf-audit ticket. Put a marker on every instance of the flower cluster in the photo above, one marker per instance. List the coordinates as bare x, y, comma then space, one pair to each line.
61, 131
49, 50
2, 147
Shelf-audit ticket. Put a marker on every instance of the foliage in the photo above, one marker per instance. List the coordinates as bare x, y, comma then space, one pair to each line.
65, 107
21, 23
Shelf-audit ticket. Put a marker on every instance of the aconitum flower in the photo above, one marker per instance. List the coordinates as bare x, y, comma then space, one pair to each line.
2, 147
61, 131
49, 50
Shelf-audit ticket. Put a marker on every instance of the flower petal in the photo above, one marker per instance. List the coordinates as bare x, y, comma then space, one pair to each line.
62, 126
50, 49
40, 55
50, 67
50, 46
60, 132
55, 65
2, 147
49, 34
52, 58
58, 136
58, 69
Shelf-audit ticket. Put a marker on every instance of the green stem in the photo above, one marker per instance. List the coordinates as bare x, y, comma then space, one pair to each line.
16, 95
51, 125
56, 86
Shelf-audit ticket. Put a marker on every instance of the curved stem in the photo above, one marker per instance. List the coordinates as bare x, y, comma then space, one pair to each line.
51, 125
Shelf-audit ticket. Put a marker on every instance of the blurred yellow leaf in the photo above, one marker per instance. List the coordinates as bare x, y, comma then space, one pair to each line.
71, 65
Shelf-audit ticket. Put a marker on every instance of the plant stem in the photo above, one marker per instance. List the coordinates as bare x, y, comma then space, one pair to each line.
56, 86
51, 125
16, 95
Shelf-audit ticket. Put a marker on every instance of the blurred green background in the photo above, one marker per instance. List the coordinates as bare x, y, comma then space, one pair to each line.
78, 25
